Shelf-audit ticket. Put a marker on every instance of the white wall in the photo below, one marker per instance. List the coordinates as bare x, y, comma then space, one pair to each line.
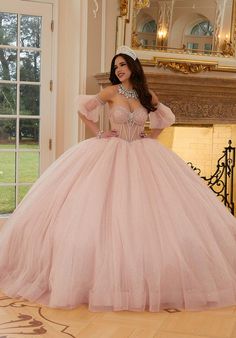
71, 30
86, 45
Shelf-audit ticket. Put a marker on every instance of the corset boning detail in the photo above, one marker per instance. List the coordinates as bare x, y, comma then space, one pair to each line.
128, 124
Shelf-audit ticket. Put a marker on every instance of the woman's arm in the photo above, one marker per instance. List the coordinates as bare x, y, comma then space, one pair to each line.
104, 96
154, 132
90, 124
95, 130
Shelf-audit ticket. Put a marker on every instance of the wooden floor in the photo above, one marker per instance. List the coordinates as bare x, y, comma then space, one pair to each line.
23, 319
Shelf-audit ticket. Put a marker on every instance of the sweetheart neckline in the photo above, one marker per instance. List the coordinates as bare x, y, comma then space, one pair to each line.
128, 110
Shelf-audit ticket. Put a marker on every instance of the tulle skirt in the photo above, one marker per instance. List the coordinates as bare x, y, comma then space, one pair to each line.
120, 226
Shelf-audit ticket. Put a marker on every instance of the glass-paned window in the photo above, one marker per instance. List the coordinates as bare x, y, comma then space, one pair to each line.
191, 45
144, 42
150, 27
203, 28
208, 46
20, 74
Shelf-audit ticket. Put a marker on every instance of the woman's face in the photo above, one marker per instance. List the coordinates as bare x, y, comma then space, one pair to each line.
122, 70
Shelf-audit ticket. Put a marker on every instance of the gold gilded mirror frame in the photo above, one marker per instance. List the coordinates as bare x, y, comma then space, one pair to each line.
181, 62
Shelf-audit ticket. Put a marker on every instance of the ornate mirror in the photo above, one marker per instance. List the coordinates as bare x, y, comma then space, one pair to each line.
201, 30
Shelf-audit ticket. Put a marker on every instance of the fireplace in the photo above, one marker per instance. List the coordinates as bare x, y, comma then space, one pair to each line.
205, 110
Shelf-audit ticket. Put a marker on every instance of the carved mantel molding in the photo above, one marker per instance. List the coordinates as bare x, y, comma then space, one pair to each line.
193, 99
185, 67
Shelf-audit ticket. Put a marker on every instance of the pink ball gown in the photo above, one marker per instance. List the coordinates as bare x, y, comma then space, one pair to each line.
120, 223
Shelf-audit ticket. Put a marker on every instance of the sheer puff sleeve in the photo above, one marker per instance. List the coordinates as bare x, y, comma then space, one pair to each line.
90, 106
162, 117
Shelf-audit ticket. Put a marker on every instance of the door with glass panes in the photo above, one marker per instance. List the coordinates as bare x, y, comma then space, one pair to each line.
25, 97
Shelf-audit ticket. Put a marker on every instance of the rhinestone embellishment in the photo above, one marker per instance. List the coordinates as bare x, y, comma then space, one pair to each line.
129, 94
131, 117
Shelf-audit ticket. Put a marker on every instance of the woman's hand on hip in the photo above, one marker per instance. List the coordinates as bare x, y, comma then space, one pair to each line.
110, 133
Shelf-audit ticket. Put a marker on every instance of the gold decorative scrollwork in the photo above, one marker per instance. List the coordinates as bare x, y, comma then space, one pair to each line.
124, 4
233, 28
139, 4
135, 41
228, 49
186, 67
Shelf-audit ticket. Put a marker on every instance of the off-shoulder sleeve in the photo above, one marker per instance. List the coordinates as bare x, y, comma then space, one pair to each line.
162, 117
90, 106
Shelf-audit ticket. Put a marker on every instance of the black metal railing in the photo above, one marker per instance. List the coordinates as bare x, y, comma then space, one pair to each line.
221, 182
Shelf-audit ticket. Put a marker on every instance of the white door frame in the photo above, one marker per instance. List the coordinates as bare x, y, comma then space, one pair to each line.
48, 10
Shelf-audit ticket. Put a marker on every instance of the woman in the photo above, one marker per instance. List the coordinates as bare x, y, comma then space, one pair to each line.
119, 222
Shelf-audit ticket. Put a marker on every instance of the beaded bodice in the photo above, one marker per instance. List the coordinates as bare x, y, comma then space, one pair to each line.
128, 124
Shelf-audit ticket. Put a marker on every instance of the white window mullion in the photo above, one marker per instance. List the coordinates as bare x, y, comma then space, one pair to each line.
17, 112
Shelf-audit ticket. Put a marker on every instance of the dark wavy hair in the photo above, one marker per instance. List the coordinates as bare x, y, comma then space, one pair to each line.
137, 78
